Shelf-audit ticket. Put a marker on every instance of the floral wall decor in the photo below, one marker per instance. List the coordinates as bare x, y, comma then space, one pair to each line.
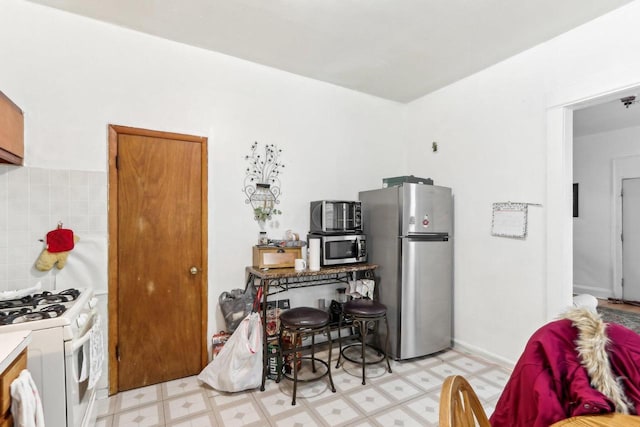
262, 181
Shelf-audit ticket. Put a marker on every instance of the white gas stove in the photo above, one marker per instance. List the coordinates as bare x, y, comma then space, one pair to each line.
65, 354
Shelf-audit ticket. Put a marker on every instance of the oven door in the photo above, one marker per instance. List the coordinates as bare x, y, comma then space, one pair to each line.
83, 365
330, 216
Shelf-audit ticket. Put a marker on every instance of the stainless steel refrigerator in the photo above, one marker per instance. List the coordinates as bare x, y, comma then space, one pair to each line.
409, 231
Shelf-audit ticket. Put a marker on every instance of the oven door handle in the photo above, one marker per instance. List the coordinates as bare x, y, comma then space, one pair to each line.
76, 344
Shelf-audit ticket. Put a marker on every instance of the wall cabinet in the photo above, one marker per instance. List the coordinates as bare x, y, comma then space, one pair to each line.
6, 378
11, 132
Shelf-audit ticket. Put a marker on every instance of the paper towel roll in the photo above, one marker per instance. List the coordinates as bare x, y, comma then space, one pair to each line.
314, 255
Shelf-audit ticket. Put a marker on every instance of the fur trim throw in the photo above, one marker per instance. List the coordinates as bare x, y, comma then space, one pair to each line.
592, 348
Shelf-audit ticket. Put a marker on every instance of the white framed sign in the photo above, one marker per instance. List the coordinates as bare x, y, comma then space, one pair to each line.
509, 220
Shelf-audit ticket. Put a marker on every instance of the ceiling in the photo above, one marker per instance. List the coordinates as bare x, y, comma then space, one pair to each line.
607, 116
394, 49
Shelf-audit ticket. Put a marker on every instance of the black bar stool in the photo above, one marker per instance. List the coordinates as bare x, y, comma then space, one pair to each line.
304, 321
364, 313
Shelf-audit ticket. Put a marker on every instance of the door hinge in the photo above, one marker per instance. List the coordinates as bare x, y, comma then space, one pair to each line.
117, 162
118, 353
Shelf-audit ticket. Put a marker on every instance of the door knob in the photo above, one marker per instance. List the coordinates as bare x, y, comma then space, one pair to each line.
193, 270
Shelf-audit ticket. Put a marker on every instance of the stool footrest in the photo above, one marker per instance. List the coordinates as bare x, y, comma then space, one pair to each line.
366, 316
368, 362
302, 322
313, 359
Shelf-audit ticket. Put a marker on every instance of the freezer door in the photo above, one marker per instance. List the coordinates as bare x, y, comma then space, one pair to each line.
426, 297
426, 209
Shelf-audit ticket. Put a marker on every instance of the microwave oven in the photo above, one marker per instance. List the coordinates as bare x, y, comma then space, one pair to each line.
336, 216
337, 249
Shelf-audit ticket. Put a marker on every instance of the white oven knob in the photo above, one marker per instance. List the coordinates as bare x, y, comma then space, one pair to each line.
93, 302
82, 319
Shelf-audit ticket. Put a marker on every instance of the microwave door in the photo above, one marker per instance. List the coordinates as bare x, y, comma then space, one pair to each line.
346, 249
343, 217
346, 216
339, 217
339, 249
352, 224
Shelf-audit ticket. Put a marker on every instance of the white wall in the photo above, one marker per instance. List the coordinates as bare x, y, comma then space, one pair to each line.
32, 201
73, 76
501, 134
594, 158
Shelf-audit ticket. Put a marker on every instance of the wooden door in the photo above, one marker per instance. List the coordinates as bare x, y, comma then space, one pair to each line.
157, 251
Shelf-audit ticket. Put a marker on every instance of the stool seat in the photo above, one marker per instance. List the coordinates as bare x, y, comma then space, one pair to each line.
365, 308
304, 317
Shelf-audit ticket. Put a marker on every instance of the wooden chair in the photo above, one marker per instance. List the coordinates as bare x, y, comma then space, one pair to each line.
459, 404
602, 420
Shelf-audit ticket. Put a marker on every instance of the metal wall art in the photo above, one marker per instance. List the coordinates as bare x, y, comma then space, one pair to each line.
262, 181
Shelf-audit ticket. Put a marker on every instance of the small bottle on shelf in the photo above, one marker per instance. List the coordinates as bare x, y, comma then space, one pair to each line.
263, 240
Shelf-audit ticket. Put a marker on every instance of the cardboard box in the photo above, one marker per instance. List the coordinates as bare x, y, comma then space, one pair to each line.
217, 342
399, 180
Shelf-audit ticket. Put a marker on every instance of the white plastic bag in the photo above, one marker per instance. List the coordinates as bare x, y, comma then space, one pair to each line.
238, 366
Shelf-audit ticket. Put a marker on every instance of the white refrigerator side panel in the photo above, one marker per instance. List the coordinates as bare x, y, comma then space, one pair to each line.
381, 221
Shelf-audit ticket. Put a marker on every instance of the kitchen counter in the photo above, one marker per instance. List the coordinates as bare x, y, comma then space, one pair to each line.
288, 273
11, 345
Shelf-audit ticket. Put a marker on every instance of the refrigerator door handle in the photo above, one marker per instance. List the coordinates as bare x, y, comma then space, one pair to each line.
427, 237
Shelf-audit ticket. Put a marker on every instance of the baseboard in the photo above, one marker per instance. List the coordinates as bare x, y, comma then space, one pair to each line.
596, 292
474, 350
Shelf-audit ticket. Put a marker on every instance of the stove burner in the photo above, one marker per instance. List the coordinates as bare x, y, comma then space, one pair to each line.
7, 317
54, 310
73, 292
13, 303
47, 297
28, 315
40, 306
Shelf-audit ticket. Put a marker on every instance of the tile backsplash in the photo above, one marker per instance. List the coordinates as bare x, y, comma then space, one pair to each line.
32, 202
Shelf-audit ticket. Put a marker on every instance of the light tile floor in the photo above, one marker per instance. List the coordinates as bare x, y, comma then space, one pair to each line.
409, 396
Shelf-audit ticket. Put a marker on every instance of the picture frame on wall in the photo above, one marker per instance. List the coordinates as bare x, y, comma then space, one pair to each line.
575, 200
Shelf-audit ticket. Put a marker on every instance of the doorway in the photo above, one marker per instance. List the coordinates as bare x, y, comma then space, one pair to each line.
560, 281
157, 256
605, 152
630, 239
